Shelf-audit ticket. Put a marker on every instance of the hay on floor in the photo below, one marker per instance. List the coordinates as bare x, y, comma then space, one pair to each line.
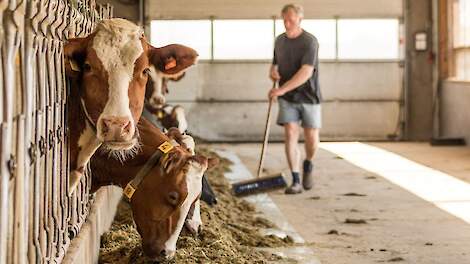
230, 232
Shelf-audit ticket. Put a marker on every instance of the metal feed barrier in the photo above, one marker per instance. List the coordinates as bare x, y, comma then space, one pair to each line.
37, 217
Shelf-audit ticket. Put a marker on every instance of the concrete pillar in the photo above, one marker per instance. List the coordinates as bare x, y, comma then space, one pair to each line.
419, 71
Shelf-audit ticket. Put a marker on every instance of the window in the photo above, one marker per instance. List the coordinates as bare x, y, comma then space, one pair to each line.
253, 39
368, 39
461, 39
323, 29
243, 39
192, 33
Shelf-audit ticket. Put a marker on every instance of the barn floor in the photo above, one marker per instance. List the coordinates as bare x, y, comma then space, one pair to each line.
402, 222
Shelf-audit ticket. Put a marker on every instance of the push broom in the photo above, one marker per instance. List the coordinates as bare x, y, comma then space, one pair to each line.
261, 184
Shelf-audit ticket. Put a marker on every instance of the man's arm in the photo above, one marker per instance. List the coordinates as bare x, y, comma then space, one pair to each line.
300, 77
274, 73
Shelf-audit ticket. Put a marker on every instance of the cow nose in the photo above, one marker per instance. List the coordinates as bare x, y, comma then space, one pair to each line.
166, 254
116, 128
157, 101
158, 253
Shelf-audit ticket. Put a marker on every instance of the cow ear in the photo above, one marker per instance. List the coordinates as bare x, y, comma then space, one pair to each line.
173, 160
175, 134
172, 59
74, 56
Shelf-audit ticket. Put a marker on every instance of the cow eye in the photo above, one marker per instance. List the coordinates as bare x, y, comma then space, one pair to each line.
173, 198
146, 71
86, 67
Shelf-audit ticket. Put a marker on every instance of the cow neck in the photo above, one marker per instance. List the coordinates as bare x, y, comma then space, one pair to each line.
76, 121
87, 115
159, 155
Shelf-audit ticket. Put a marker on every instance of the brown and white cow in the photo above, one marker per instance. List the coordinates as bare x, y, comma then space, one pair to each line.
157, 87
193, 221
169, 186
109, 70
155, 102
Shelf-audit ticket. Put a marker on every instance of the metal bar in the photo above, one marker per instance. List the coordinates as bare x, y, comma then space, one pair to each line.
3, 134
30, 124
12, 39
42, 128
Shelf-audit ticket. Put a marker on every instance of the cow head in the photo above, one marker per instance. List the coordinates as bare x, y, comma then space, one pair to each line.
157, 86
111, 66
162, 201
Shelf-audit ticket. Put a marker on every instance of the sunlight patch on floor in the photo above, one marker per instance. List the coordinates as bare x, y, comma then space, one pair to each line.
446, 192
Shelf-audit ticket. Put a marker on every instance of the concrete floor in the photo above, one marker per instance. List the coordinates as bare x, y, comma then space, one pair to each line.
400, 227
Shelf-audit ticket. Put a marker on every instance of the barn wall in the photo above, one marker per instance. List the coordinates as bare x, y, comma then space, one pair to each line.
197, 9
361, 100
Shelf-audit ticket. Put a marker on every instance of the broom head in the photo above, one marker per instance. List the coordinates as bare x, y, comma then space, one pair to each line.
259, 185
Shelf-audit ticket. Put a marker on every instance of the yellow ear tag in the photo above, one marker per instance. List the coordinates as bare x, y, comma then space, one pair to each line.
165, 147
74, 65
160, 114
129, 191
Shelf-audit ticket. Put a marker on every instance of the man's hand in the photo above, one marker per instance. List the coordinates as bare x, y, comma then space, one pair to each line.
274, 74
274, 93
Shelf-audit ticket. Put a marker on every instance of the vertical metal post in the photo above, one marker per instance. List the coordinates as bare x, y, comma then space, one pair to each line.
3, 170
10, 58
336, 38
212, 38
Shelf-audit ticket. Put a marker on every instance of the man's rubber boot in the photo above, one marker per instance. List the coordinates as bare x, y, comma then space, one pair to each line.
307, 176
295, 188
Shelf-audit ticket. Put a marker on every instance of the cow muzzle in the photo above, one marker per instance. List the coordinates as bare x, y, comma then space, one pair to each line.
116, 130
157, 101
156, 253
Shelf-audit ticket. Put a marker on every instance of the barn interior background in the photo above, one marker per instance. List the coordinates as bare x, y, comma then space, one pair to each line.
410, 94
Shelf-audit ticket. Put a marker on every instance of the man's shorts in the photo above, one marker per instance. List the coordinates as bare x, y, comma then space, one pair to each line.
308, 114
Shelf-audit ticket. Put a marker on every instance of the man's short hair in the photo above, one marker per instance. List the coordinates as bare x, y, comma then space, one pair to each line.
298, 9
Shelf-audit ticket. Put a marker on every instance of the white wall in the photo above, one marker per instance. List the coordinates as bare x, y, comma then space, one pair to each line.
227, 101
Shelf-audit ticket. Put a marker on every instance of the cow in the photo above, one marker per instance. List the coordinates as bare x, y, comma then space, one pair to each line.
157, 88
169, 185
155, 102
109, 71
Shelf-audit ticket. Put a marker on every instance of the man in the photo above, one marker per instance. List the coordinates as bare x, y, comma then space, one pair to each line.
295, 66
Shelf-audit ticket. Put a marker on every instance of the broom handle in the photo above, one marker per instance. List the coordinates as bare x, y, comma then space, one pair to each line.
266, 135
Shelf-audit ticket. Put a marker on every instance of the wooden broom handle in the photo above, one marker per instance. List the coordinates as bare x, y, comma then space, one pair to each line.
266, 135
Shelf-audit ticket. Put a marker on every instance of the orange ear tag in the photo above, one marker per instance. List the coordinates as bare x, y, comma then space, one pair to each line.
170, 64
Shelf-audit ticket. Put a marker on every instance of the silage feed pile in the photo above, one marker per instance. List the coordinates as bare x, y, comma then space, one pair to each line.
230, 231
